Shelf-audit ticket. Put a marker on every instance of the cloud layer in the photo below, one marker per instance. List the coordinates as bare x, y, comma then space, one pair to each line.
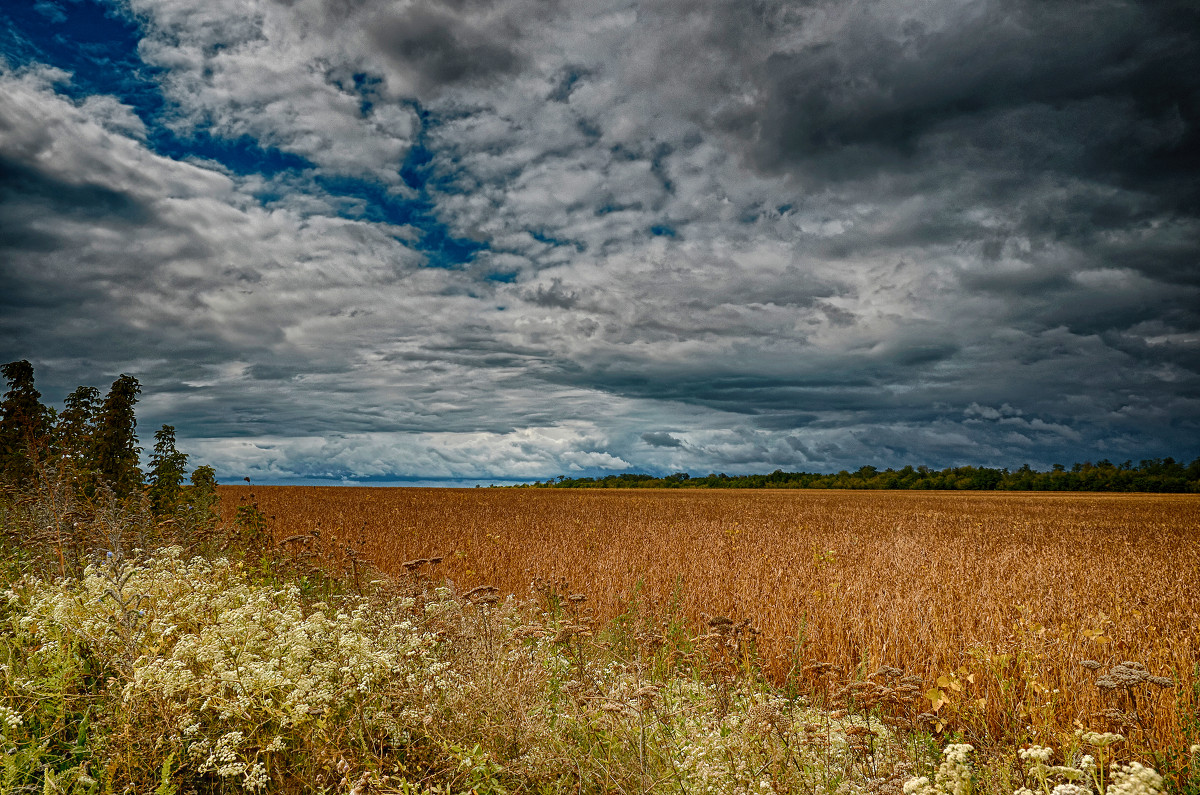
507, 239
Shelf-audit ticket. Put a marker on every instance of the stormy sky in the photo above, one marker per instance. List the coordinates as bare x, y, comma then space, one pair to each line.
472, 240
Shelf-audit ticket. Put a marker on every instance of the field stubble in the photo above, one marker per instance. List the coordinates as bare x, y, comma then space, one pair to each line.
995, 600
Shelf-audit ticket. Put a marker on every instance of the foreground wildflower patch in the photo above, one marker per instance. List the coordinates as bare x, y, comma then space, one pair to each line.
191, 676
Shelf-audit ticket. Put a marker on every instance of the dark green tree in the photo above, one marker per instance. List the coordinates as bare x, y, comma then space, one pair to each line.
115, 444
24, 425
167, 469
77, 425
204, 487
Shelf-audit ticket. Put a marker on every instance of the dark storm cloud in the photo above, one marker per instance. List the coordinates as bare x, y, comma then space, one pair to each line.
880, 79
798, 235
1079, 123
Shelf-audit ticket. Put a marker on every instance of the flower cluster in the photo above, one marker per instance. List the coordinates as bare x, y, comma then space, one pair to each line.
241, 684
223, 669
1083, 778
953, 777
9, 720
1135, 779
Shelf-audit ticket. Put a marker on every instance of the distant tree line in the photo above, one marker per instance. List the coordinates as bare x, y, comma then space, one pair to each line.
1150, 475
91, 447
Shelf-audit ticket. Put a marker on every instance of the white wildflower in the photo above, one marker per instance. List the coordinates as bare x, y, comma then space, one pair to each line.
9, 718
1101, 740
256, 777
953, 776
1135, 779
1036, 753
922, 786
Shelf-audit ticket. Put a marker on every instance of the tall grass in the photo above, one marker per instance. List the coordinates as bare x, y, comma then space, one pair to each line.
167, 675
281, 661
995, 601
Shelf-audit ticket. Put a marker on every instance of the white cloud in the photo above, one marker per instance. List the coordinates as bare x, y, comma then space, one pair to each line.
279, 74
528, 453
770, 231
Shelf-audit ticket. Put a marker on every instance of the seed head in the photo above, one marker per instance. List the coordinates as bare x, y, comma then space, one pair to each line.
886, 672
476, 593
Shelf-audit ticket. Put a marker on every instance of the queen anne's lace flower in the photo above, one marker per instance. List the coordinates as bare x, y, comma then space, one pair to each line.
238, 666
256, 777
922, 786
1131, 779
1135, 779
1101, 739
9, 718
954, 774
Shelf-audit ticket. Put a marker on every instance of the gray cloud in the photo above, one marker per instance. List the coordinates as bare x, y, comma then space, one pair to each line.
554, 295
807, 235
437, 48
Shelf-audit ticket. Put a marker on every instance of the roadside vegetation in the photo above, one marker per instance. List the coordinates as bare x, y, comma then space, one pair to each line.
153, 640
1026, 618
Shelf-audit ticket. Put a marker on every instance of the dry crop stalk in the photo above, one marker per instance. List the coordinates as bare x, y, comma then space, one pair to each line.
1013, 589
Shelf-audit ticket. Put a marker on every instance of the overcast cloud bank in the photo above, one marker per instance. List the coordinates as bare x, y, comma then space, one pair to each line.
480, 239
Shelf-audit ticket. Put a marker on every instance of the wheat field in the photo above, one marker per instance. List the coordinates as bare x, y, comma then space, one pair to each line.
994, 599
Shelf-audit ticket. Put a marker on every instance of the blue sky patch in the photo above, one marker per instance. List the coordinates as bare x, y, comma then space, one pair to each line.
92, 40
442, 249
242, 155
98, 44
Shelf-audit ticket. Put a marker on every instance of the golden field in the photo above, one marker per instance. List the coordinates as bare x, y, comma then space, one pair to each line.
993, 598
